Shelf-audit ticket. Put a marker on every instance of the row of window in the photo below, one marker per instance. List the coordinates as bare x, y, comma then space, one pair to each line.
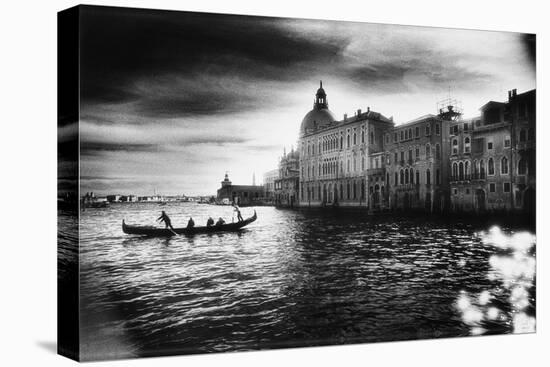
333, 143
506, 187
461, 170
331, 167
409, 176
330, 192
407, 134
399, 157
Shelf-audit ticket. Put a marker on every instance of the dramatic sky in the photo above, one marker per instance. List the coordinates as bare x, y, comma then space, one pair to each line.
170, 101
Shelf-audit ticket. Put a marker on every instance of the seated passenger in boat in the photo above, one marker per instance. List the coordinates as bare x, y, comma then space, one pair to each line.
210, 222
191, 223
220, 222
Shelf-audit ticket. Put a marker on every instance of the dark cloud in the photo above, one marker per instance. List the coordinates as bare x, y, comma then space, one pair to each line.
98, 148
92, 148
121, 46
393, 75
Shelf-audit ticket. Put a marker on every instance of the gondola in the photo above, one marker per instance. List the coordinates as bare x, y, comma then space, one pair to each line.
164, 232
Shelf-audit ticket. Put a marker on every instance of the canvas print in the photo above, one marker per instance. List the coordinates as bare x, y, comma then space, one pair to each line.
232, 183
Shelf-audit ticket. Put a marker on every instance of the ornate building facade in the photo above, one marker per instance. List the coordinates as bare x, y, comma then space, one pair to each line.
493, 157
287, 183
434, 163
239, 194
334, 154
417, 159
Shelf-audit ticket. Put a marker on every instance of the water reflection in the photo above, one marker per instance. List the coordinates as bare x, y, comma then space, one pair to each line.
295, 278
509, 305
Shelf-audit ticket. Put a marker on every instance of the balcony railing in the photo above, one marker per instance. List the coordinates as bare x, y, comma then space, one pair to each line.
458, 178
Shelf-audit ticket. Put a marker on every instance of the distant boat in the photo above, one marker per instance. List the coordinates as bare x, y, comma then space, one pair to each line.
164, 232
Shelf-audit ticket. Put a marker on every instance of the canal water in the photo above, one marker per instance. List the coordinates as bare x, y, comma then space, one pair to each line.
296, 278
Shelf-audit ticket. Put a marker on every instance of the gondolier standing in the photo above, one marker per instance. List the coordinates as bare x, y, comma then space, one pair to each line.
239, 216
166, 219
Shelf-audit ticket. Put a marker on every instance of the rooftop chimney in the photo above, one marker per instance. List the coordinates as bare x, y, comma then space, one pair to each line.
345, 117
358, 112
368, 109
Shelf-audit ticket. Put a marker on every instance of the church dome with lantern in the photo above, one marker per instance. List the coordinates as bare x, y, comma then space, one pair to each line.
320, 114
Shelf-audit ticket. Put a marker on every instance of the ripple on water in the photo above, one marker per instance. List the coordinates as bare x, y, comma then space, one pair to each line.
294, 278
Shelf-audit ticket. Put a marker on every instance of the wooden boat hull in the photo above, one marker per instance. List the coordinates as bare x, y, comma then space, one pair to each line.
163, 232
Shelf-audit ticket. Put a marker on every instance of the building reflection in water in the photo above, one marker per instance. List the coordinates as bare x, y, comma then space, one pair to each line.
509, 306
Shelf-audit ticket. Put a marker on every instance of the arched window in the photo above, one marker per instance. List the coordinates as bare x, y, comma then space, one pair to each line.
349, 141
406, 176
455, 146
522, 135
481, 169
475, 169
396, 182
428, 129
411, 175
428, 148
417, 177
461, 171
504, 166
402, 136
491, 166
437, 150
341, 142
348, 191
455, 170
467, 169
437, 177
354, 139
428, 177
467, 145
355, 190
437, 129
362, 162
522, 167
341, 191
410, 133
401, 177
362, 136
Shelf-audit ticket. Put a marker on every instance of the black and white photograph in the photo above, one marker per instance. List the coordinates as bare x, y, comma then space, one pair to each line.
236, 183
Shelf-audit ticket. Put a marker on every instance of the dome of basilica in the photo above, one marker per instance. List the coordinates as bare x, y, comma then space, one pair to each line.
320, 114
